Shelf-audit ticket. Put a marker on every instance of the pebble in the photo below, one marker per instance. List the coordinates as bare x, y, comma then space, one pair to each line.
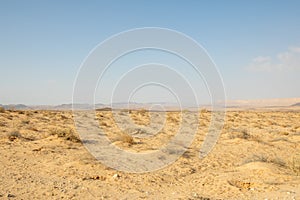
115, 176
10, 196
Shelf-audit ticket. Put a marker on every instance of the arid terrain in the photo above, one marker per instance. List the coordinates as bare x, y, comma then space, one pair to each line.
256, 157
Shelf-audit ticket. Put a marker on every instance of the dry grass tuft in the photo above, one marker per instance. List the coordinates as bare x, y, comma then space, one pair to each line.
240, 133
66, 133
204, 110
266, 159
2, 110
21, 112
294, 164
13, 135
243, 185
125, 138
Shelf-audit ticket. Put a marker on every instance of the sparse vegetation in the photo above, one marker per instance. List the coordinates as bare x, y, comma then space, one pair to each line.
2, 110
243, 185
13, 135
240, 133
21, 112
266, 159
25, 121
294, 164
248, 151
66, 133
126, 138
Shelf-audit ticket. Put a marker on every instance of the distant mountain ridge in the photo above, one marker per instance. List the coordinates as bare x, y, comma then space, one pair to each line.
282, 102
51, 107
120, 105
15, 106
257, 103
296, 104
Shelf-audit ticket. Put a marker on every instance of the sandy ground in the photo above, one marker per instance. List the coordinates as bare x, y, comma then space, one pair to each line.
257, 157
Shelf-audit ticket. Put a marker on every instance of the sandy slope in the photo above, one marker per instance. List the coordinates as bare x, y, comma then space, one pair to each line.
257, 157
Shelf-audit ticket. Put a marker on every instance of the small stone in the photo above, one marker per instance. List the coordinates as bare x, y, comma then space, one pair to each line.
10, 196
115, 176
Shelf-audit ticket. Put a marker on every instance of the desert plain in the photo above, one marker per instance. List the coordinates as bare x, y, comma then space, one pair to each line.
257, 156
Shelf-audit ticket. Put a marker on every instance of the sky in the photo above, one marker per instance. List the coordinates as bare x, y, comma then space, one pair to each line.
254, 44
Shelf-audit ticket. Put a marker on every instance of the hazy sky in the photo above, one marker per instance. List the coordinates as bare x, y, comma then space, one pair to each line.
255, 44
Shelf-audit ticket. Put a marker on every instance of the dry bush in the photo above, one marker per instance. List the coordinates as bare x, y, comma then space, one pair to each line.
66, 133
137, 131
2, 110
204, 110
243, 185
257, 139
13, 135
284, 133
294, 164
21, 112
266, 159
25, 121
142, 111
125, 138
3, 123
279, 162
240, 133
32, 128
63, 117
105, 123
140, 117
256, 158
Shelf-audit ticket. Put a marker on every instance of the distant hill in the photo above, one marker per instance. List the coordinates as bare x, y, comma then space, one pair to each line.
16, 107
70, 106
52, 107
98, 106
234, 104
296, 104
257, 103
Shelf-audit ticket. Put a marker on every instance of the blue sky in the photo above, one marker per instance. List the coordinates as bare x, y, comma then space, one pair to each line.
255, 44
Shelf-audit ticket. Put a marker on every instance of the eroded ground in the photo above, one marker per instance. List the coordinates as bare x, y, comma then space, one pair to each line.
257, 157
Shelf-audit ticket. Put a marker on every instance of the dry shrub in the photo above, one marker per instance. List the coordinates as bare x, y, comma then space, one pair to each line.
125, 138
257, 158
141, 117
243, 185
63, 117
204, 110
142, 111
2, 110
284, 133
13, 135
266, 159
32, 128
242, 134
21, 112
25, 121
66, 133
105, 123
294, 163
3, 123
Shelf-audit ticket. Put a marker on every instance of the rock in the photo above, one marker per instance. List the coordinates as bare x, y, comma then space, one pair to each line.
116, 176
10, 196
